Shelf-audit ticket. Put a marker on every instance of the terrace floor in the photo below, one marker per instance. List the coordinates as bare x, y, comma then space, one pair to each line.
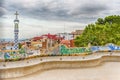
107, 71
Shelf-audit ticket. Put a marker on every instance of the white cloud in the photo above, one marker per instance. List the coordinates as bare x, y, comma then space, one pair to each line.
43, 16
32, 27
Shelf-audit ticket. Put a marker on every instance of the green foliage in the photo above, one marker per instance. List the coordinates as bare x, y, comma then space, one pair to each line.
22, 51
100, 21
20, 45
104, 31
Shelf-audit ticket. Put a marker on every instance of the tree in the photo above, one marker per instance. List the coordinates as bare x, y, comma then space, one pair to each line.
105, 30
100, 21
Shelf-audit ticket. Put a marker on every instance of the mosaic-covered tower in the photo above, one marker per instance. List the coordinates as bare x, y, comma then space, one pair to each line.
16, 31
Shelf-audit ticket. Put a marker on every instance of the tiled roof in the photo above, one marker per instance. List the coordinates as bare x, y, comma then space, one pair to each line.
49, 36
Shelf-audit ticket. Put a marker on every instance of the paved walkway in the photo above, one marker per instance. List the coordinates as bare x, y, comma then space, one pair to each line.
108, 71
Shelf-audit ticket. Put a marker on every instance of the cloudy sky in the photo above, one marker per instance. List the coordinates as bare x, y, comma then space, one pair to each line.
52, 16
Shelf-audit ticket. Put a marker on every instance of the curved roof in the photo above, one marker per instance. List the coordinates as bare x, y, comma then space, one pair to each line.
65, 42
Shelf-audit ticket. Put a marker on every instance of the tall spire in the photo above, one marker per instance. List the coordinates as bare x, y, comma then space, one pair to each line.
16, 31
16, 15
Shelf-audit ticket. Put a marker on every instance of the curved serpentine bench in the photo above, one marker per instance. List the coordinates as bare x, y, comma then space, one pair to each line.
26, 67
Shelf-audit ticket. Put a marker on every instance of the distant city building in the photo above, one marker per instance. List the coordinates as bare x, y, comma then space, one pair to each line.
77, 33
65, 36
46, 41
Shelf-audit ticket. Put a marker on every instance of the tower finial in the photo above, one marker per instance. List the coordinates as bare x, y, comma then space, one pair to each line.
16, 15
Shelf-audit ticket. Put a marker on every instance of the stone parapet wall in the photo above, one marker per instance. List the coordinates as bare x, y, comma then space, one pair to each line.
46, 65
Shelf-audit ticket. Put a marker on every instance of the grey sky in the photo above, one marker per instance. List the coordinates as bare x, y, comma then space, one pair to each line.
43, 16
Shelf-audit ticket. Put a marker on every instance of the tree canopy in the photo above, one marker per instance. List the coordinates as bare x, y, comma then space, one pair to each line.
103, 31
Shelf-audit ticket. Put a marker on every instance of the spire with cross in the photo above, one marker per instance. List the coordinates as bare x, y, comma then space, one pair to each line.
16, 31
16, 20
16, 15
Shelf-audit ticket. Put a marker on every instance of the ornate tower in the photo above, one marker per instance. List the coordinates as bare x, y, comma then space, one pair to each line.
16, 31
